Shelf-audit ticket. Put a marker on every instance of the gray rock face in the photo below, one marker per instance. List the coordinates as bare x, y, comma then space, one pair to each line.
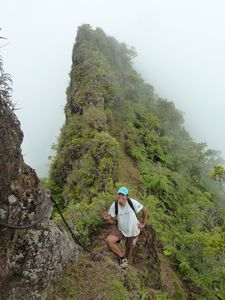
29, 258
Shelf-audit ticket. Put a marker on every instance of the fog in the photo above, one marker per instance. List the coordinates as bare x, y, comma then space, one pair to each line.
180, 46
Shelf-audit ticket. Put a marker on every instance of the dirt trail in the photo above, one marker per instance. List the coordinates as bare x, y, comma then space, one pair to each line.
99, 277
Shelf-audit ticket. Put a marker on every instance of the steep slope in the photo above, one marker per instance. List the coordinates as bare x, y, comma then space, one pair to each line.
117, 131
98, 275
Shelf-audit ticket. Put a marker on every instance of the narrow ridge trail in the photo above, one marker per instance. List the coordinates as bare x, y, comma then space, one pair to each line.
98, 275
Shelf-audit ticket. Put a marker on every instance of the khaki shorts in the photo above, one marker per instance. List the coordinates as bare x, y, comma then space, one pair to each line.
130, 242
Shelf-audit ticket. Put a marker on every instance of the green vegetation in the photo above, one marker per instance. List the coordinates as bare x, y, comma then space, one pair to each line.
115, 121
5, 86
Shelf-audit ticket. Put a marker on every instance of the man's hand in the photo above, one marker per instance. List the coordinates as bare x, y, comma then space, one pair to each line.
141, 225
109, 218
144, 214
105, 215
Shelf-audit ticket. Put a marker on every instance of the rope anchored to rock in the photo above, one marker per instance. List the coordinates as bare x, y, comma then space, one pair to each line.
45, 213
76, 240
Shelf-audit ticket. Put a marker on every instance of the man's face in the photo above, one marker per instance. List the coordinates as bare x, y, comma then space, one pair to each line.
121, 199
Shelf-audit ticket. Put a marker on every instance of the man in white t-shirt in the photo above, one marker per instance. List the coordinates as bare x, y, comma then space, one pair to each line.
123, 213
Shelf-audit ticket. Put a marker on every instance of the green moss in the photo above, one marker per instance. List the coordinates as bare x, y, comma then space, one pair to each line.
163, 296
179, 293
116, 289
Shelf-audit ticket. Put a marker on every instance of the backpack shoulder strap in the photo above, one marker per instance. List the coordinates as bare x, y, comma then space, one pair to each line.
131, 204
116, 208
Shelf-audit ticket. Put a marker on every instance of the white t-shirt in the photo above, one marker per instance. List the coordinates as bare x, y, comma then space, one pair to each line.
127, 220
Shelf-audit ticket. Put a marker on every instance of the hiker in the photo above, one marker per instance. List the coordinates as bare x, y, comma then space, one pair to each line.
123, 214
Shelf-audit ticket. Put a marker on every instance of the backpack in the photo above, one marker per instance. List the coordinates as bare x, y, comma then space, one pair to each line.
129, 202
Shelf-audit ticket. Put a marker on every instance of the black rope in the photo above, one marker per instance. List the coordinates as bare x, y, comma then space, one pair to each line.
43, 215
46, 211
76, 240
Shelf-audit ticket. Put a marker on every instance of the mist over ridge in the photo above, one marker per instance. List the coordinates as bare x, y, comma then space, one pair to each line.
180, 50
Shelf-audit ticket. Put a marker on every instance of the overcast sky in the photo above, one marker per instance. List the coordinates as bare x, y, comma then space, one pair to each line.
181, 52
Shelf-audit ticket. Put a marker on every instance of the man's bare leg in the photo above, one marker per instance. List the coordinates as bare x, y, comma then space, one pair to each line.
128, 252
111, 242
129, 245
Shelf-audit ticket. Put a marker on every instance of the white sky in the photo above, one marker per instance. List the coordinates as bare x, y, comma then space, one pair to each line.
181, 52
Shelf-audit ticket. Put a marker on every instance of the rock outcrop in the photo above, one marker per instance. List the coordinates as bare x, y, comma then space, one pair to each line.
29, 258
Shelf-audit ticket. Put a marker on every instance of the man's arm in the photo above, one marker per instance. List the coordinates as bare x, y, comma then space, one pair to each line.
144, 215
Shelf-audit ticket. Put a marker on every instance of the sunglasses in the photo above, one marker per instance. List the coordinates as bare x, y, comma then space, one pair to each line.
120, 194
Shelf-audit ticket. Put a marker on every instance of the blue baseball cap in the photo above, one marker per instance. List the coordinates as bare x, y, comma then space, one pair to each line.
123, 190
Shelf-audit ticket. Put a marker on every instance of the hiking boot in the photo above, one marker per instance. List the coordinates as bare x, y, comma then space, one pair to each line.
123, 262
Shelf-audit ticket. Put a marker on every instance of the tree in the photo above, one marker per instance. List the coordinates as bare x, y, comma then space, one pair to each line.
218, 173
